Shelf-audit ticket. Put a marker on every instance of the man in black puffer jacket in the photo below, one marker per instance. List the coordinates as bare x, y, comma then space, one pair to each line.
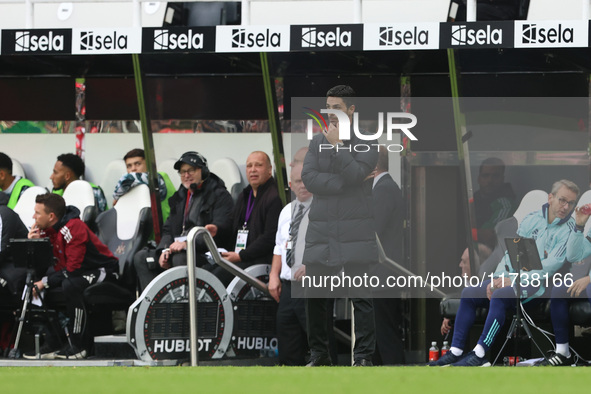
341, 231
201, 200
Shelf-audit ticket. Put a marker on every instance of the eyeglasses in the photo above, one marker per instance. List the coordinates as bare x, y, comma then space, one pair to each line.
190, 171
563, 202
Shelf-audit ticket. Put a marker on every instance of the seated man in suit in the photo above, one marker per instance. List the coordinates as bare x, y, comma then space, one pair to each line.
255, 217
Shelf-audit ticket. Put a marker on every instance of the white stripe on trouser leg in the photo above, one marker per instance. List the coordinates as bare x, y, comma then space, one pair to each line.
102, 275
79, 314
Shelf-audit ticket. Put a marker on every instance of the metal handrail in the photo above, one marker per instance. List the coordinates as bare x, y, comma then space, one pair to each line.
385, 260
225, 264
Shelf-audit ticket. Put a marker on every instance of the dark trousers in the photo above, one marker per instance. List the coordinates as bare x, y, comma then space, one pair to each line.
317, 317
291, 327
73, 288
389, 345
501, 302
559, 306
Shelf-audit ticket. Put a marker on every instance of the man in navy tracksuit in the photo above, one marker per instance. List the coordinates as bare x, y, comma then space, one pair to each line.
550, 227
81, 260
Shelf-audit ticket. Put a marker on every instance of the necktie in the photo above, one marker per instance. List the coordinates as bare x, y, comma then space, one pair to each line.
293, 232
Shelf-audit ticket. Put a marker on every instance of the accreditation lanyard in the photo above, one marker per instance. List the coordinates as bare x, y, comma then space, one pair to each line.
186, 213
242, 235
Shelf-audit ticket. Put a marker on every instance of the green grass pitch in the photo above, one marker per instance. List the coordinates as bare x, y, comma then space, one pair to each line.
169, 380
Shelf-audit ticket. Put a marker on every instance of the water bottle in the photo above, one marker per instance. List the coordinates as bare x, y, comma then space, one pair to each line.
433, 352
586, 209
444, 348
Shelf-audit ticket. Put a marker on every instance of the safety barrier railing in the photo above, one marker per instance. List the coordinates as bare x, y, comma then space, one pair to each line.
227, 265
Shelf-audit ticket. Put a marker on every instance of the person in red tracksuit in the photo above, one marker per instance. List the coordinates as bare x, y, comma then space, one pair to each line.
81, 260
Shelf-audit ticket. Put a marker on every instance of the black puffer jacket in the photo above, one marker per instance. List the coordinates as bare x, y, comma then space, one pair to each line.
341, 229
211, 204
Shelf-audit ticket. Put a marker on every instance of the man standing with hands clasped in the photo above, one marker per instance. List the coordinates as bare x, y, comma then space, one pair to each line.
341, 231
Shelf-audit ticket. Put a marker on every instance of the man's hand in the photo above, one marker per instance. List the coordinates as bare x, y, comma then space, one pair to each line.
212, 228
579, 286
232, 257
37, 285
301, 272
34, 232
580, 217
497, 283
163, 260
332, 134
176, 246
445, 326
275, 287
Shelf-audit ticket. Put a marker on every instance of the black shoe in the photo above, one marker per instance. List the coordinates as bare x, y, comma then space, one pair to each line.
71, 352
46, 352
362, 362
320, 361
555, 360
445, 360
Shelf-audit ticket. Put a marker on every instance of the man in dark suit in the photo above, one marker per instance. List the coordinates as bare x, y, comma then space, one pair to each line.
388, 216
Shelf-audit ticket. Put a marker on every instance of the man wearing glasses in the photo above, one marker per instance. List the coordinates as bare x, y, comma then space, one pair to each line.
201, 200
550, 227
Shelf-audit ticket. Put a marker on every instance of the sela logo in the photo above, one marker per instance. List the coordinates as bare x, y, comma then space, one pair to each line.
464, 35
390, 36
90, 41
532, 34
164, 40
312, 38
27, 41
242, 39
391, 119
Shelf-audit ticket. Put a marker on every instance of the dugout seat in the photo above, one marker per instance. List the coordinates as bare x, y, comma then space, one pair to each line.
25, 206
125, 229
17, 168
228, 171
79, 194
113, 172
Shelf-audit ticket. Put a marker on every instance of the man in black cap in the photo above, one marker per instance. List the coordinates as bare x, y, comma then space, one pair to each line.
201, 200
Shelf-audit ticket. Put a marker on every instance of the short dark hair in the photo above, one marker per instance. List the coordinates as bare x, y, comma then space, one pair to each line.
73, 162
383, 160
346, 92
5, 162
54, 203
492, 162
134, 153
